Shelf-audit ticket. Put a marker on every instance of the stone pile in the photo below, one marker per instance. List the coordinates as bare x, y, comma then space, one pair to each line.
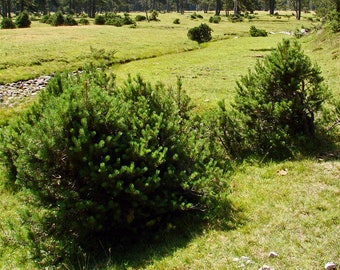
13, 93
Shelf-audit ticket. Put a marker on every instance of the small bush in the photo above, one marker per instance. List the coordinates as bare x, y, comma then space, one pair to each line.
57, 19
7, 23
23, 20
235, 18
154, 16
127, 20
255, 32
70, 21
201, 33
84, 21
276, 107
196, 16
140, 18
215, 19
99, 19
176, 21
46, 19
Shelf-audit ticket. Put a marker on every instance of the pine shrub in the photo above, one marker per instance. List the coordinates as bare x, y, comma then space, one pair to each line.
106, 161
99, 19
255, 32
23, 20
215, 19
140, 18
7, 23
69, 20
200, 34
57, 19
276, 105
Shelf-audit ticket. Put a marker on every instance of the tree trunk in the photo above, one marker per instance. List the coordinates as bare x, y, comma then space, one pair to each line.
271, 7
235, 8
218, 7
298, 9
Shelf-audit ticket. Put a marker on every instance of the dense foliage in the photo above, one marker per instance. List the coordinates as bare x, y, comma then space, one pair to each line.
255, 32
276, 105
114, 19
23, 20
104, 160
200, 33
333, 21
7, 23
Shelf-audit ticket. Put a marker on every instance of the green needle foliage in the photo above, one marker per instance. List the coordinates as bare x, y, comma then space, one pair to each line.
276, 105
105, 161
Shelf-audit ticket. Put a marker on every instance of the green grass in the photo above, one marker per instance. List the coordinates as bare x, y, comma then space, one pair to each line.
296, 215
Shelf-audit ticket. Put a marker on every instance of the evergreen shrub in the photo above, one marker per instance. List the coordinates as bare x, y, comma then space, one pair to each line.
140, 18
154, 16
69, 20
255, 32
7, 23
57, 19
84, 21
99, 19
277, 106
201, 33
45, 19
106, 161
23, 20
215, 19
177, 21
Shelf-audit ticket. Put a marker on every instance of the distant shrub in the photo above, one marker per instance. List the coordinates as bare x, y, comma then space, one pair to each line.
201, 33
215, 19
84, 21
69, 20
57, 19
127, 20
7, 23
23, 20
154, 16
196, 16
255, 32
46, 19
235, 18
140, 18
176, 21
99, 19
113, 19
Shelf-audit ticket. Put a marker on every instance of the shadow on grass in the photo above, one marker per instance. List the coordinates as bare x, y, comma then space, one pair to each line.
136, 251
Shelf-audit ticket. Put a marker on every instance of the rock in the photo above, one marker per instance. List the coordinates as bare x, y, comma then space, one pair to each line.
330, 266
272, 254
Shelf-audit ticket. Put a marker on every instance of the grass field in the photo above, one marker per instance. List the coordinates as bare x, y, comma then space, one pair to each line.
295, 215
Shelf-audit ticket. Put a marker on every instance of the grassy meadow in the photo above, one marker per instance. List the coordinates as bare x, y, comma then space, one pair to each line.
291, 207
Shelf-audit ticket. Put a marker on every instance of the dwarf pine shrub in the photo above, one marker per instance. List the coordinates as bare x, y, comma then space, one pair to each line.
23, 20
276, 105
110, 161
200, 33
7, 23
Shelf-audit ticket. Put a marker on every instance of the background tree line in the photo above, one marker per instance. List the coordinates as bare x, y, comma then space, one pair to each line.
90, 7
